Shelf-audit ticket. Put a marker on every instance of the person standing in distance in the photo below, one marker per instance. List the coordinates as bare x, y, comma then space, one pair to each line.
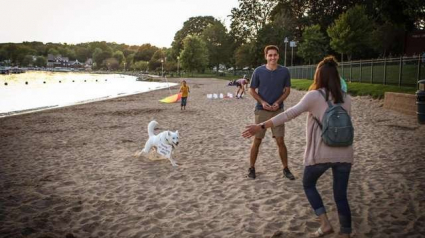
184, 90
270, 86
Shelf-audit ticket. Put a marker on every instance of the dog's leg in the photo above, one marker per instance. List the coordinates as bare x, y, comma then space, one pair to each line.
173, 162
148, 146
138, 153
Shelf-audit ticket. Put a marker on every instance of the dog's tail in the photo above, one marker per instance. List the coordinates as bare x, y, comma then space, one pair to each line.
151, 128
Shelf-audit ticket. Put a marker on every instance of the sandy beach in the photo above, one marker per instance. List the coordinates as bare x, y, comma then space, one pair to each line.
71, 172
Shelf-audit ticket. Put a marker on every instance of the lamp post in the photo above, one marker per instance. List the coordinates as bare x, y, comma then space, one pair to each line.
162, 68
178, 66
124, 66
286, 43
292, 44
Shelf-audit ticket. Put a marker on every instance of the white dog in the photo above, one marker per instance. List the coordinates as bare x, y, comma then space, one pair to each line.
165, 138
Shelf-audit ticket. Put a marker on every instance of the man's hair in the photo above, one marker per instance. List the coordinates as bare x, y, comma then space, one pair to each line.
270, 47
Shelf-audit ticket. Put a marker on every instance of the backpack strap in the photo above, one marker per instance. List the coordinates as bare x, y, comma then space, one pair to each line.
318, 122
324, 96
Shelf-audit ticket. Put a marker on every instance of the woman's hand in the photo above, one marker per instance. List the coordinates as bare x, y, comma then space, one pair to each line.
251, 130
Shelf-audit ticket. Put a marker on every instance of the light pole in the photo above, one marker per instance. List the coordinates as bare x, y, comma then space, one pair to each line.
162, 68
124, 66
286, 43
292, 44
178, 66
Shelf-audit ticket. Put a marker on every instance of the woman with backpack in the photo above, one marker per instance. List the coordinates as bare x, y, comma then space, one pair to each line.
327, 146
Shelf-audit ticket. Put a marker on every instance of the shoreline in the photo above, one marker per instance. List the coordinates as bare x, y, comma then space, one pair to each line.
61, 92
72, 171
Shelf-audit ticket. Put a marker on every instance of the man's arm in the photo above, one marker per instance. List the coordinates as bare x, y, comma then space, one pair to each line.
257, 97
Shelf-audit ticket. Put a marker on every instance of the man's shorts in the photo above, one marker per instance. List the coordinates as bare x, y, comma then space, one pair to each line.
262, 116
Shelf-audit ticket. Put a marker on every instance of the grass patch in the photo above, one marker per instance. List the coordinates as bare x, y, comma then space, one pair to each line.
362, 89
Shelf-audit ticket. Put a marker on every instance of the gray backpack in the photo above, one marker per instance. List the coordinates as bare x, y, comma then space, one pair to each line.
336, 126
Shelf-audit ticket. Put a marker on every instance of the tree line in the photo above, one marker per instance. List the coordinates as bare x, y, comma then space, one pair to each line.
350, 29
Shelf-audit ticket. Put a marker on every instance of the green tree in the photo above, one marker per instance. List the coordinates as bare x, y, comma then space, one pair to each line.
194, 55
82, 53
292, 16
408, 14
3, 55
111, 63
314, 44
244, 57
129, 61
99, 57
140, 66
130, 50
387, 38
40, 61
53, 51
145, 52
155, 61
270, 34
194, 26
218, 44
352, 32
119, 55
27, 61
250, 17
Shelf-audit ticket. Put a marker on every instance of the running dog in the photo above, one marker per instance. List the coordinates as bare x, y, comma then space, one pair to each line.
166, 137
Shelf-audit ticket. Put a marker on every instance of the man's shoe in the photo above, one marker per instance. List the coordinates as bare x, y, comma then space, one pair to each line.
251, 173
287, 173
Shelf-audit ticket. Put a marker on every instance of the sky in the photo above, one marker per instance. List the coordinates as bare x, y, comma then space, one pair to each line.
132, 22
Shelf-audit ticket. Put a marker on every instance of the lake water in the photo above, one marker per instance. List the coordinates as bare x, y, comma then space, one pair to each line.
33, 91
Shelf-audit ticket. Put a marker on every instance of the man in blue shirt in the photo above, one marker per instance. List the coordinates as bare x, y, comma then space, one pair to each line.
270, 86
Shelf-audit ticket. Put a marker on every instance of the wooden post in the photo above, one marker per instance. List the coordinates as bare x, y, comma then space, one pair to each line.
385, 71
400, 72
419, 70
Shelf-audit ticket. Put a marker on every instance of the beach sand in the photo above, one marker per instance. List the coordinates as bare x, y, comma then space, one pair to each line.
71, 172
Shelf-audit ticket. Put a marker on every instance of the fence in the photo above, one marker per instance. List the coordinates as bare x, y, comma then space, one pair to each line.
402, 71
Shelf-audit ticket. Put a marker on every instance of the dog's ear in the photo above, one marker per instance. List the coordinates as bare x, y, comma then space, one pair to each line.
177, 132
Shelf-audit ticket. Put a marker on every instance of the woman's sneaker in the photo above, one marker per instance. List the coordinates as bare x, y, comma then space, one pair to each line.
251, 173
287, 173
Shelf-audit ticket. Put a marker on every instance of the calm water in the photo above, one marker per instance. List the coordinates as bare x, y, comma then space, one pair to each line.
34, 91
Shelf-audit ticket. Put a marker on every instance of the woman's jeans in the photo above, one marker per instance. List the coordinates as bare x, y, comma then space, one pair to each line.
341, 173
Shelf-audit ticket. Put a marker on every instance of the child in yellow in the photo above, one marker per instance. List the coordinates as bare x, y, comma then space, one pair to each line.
184, 89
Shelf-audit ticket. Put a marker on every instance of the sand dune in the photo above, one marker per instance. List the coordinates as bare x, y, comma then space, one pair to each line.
71, 172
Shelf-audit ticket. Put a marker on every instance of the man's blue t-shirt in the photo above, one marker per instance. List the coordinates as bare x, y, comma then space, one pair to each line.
270, 83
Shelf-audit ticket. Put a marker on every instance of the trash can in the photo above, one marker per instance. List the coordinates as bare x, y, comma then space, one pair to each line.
420, 101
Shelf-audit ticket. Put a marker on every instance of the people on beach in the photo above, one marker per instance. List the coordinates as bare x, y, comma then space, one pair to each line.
270, 86
318, 156
241, 84
184, 90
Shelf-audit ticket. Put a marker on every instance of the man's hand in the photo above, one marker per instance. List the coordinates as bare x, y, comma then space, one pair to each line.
274, 107
267, 106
